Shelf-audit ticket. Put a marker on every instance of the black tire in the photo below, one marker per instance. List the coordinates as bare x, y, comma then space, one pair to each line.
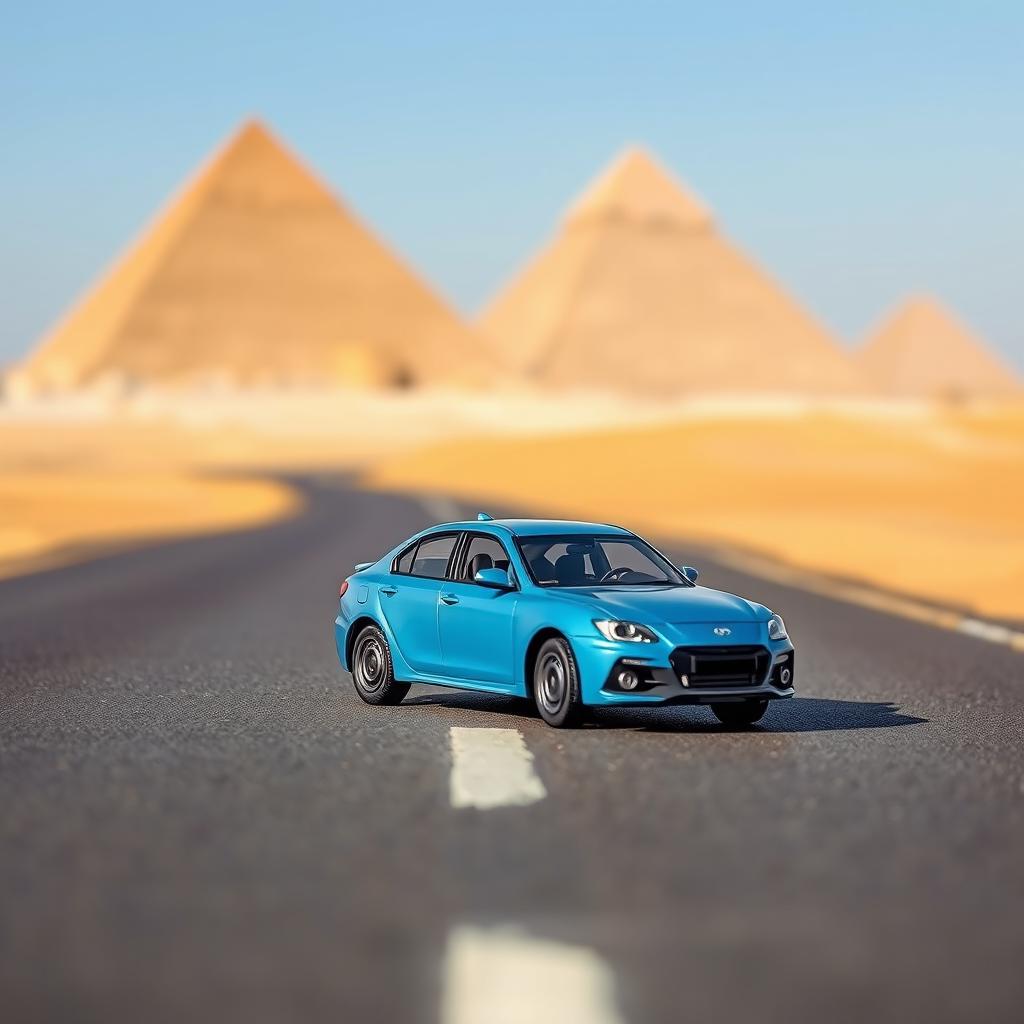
739, 715
556, 685
373, 671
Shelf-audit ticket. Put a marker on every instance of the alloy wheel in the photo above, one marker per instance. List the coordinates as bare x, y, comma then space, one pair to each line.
551, 682
370, 664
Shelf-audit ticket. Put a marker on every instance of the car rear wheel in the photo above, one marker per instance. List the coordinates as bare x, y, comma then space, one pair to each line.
556, 685
372, 669
743, 713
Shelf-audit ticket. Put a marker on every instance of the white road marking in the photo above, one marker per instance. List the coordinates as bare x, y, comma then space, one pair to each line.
503, 976
992, 632
878, 600
492, 768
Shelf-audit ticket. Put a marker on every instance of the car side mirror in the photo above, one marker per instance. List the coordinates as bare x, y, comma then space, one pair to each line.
494, 578
691, 573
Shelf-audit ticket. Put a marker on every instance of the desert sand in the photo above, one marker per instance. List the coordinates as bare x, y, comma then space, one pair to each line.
919, 499
81, 473
55, 517
920, 502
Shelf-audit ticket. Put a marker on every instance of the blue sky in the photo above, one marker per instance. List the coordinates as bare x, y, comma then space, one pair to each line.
859, 154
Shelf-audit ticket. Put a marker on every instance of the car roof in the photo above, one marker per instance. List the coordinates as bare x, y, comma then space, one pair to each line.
535, 527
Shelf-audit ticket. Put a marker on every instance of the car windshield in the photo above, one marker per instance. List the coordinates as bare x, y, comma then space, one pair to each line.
586, 560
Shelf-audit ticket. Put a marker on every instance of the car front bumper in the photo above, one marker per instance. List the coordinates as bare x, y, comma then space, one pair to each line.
663, 672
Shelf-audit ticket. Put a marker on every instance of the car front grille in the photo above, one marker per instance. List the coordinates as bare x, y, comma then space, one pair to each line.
745, 665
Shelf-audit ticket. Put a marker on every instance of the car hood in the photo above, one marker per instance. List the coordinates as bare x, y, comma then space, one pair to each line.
668, 604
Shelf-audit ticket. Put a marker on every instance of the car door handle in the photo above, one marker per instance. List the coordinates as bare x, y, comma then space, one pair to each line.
449, 599
390, 591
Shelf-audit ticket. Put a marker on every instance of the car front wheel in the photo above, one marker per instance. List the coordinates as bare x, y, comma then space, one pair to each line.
740, 714
556, 685
372, 669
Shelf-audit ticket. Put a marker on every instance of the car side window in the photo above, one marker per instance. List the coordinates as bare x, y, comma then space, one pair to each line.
403, 563
482, 552
432, 556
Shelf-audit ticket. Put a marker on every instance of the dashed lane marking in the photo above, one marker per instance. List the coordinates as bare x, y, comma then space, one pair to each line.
504, 976
492, 768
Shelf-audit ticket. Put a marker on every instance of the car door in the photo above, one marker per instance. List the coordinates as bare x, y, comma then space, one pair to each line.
409, 600
475, 623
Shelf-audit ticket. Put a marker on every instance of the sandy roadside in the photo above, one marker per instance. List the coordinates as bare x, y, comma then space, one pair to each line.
81, 475
53, 518
929, 506
920, 502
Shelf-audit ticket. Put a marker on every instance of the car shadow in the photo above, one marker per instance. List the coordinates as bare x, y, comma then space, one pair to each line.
798, 714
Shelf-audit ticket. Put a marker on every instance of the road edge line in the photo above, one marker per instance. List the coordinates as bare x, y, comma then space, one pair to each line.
865, 596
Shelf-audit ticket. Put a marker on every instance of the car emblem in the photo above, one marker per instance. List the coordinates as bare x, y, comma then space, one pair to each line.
722, 631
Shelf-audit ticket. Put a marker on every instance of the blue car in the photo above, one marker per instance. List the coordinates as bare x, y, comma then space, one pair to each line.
570, 615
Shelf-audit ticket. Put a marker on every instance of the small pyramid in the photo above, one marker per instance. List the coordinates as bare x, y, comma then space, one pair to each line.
639, 293
923, 350
256, 274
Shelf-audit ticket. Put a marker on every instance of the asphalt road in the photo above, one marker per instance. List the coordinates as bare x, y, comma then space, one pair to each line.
200, 821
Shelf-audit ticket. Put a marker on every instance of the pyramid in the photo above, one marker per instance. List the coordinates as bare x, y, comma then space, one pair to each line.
923, 350
638, 292
257, 275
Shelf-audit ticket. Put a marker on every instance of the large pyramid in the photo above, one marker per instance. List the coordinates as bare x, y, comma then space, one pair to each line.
923, 350
638, 292
257, 275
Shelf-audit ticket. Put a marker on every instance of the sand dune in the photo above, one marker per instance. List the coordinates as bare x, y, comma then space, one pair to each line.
916, 498
925, 505
54, 517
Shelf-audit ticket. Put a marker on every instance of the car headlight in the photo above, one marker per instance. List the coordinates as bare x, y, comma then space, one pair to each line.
777, 628
630, 632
